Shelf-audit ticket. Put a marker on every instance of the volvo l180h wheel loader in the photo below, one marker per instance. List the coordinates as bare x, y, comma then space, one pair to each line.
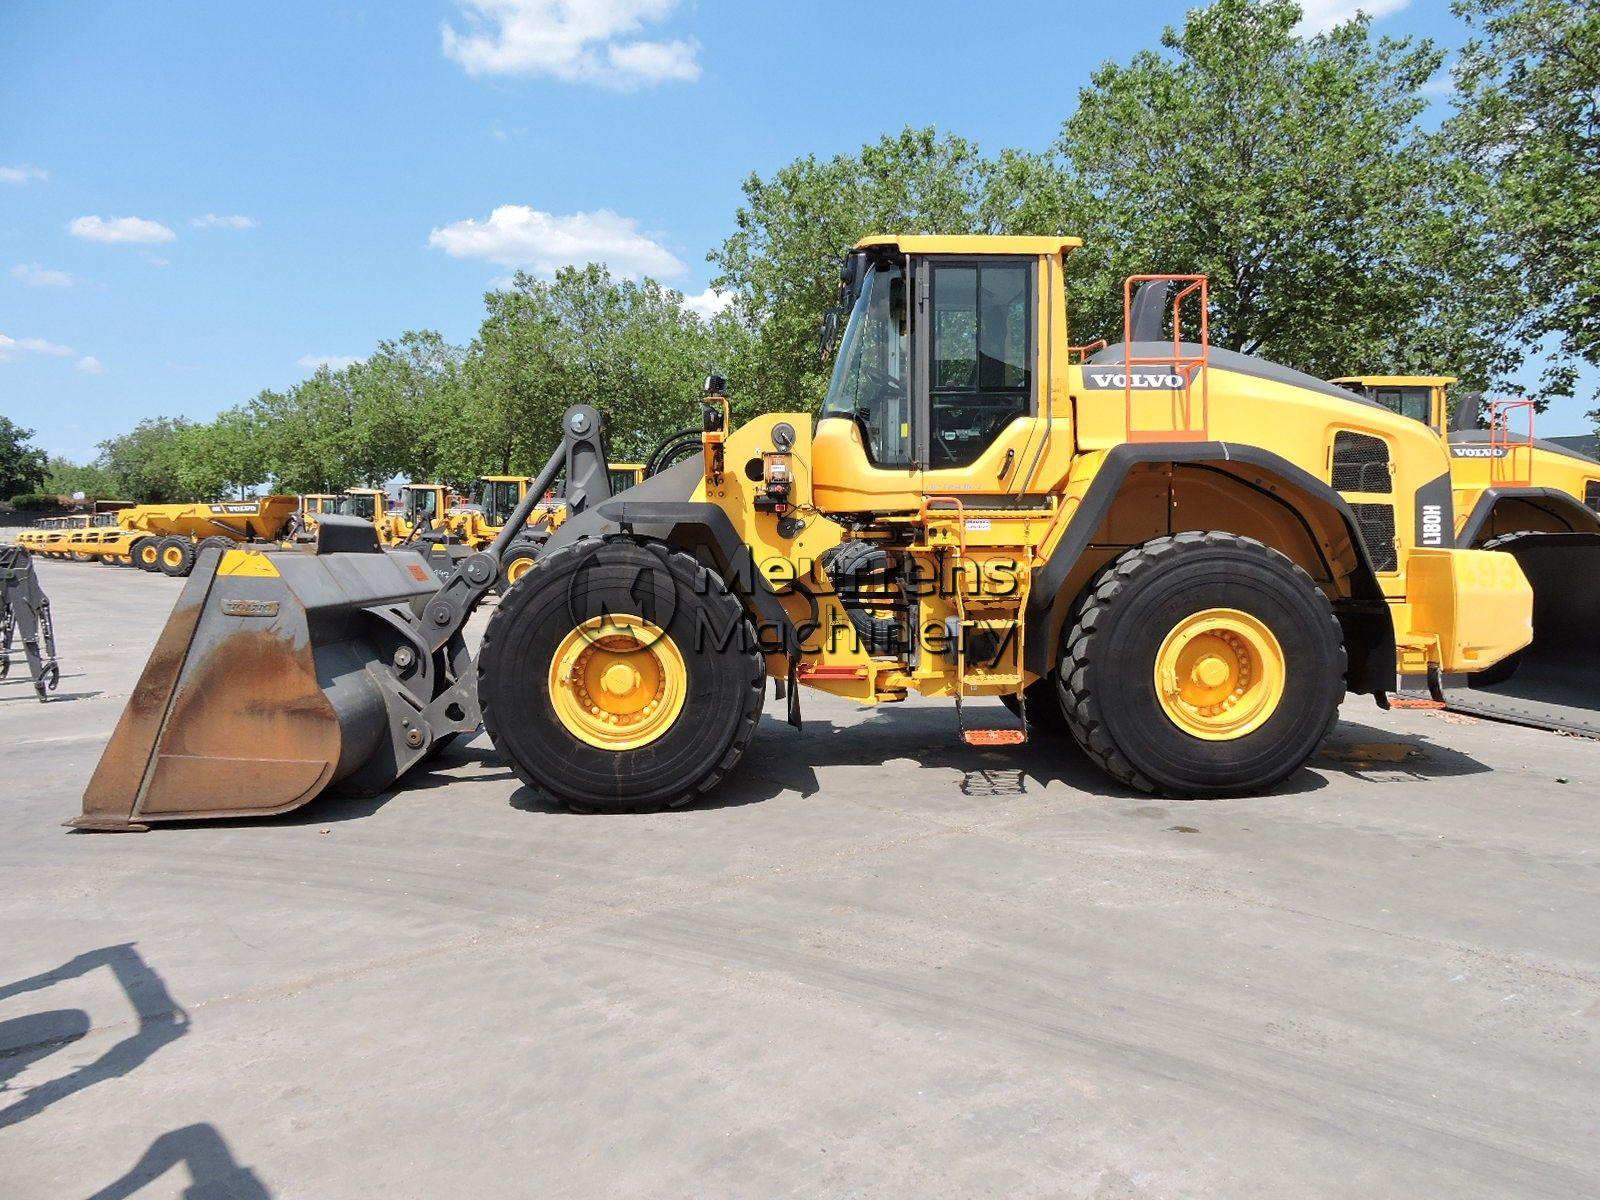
1151, 547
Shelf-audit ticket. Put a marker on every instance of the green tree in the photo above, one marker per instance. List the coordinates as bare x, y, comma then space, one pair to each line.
1337, 234
1528, 117
67, 478
23, 468
631, 349
782, 262
147, 462
224, 457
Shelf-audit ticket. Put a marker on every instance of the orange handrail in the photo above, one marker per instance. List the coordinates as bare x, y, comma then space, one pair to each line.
1185, 367
1503, 447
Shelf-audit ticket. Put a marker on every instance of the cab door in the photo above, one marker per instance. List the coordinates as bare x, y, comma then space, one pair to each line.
976, 391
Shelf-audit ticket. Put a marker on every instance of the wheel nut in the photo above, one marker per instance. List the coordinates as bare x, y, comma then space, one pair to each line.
413, 738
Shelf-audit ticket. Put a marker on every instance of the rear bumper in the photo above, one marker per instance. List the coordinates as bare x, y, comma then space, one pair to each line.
1464, 611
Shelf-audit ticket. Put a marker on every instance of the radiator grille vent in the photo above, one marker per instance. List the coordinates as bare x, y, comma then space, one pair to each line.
1591, 494
1377, 530
1360, 463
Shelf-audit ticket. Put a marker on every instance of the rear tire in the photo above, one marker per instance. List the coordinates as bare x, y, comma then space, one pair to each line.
146, 554
722, 670
514, 564
175, 556
1129, 614
1043, 704
221, 543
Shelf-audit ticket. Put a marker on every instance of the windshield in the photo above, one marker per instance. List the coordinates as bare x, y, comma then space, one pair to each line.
422, 502
360, 505
871, 379
499, 500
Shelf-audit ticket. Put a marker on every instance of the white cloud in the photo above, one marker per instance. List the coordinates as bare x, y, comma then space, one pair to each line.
708, 303
22, 173
334, 362
119, 230
518, 236
1319, 16
36, 276
91, 365
10, 347
213, 221
575, 41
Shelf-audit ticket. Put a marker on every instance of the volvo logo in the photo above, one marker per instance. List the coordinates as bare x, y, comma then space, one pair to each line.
1139, 381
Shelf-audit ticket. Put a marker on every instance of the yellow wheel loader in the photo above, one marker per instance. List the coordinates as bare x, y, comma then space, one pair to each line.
1156, 547
1539, 502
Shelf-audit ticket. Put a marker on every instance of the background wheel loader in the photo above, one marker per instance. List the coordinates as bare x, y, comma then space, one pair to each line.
1539, 502
1164, 545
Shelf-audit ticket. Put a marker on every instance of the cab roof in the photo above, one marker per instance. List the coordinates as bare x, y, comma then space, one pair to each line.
1397, 380
970, 243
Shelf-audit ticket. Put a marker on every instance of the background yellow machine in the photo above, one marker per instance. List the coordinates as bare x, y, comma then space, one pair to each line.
1538, 501
1182, 556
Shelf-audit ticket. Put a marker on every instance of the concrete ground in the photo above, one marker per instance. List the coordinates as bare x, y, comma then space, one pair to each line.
880, 964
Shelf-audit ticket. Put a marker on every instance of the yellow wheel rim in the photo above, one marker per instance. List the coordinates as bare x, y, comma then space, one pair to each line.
518, 569
618, 682
147, 554
172, 556
1220, 674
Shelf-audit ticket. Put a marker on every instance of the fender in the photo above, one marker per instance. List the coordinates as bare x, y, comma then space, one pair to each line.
665, 517
1369, 628
1562, 505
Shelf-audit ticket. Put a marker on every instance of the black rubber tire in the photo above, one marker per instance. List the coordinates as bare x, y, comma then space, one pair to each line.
621, 575
137, 549
221, 543
185, 561
1107, 673
519, 553
1043, 703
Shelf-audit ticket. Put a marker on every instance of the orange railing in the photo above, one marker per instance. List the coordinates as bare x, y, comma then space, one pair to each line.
1182, 368
1510, 454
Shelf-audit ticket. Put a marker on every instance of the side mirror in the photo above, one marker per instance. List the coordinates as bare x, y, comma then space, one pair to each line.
829, 334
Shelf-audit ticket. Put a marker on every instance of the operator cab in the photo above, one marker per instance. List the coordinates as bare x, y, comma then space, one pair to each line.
1420, 397
500, 499
939, 371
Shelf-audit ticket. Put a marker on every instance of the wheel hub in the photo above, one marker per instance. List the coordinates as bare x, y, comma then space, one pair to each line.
617, 682
1220, 674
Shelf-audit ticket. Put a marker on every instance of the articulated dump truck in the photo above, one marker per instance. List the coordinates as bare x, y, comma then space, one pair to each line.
1538, 501
1150, 547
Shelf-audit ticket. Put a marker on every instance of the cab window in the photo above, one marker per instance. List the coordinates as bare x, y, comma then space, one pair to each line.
871, 377
1413, 402
981, 375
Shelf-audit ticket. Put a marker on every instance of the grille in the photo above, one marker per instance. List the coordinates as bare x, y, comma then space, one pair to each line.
1591, 494
1360, 463
1377, 530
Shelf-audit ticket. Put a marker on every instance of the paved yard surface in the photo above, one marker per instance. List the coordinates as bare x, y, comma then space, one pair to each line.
880, 965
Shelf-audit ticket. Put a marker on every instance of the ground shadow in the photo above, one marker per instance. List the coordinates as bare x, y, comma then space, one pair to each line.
26, 1040
1367, 753
783, 760
213, 1172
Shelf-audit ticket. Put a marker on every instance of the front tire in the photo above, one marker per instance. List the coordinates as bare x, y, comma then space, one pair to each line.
1202, 665
618, 676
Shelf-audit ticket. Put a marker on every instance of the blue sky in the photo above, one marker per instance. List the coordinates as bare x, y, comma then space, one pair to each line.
199, 200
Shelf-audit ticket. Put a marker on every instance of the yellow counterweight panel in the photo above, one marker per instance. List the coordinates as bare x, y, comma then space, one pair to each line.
1464, 610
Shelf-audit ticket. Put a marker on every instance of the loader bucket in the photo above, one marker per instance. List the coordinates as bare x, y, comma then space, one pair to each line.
1555, 682
279, 674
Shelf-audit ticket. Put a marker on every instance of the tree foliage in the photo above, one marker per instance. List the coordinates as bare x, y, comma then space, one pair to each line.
23, 468
1293, 173
1528, 118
